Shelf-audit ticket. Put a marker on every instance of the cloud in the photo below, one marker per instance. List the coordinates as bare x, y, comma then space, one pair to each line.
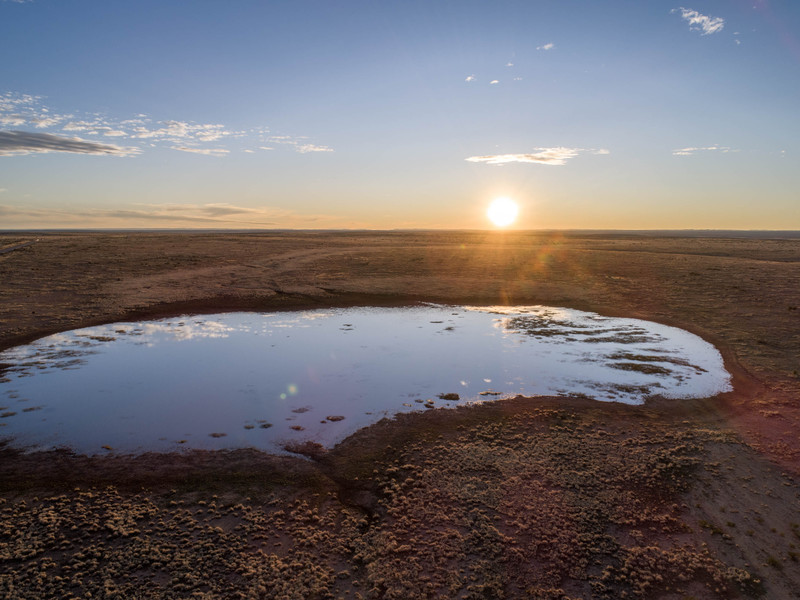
17, 102
212, 133
18, 110
545, 156
206, 151
470, 78
691, 151
200, 212
214, 215
306, 148
703, 23
17, 211
13, 120
297, 143
225, 210
14, 143
176, 131
81, 126
494, 82
21, 109
42, 122
187, 213
548, 46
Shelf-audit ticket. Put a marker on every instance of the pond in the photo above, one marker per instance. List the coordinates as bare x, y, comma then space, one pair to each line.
266, 380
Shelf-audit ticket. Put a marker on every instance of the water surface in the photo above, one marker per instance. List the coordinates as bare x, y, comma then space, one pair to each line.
262, 380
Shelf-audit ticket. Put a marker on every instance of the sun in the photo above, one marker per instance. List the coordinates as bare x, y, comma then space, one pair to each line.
502, 212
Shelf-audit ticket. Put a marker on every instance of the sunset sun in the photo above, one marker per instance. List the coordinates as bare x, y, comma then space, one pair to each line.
502, 212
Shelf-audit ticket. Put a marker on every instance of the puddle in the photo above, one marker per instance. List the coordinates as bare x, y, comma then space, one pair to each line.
264, 380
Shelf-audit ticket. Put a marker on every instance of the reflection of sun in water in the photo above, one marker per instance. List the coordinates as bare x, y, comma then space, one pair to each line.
502, 211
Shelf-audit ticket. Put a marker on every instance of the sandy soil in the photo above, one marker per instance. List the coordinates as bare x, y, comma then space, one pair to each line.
535, 498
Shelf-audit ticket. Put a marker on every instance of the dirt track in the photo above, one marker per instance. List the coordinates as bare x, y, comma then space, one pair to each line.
740, 294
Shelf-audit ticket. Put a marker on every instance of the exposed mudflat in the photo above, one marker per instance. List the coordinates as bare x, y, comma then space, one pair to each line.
539, 498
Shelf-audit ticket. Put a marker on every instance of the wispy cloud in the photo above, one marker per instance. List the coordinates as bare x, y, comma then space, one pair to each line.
93, 127
181, 130
184, 213
44, 121
14, 143
13, 120
298, 143
217, 212
703, 23
544, 156
470, 78
206, 151
306, 148
548, 46
165, 215
18, 111
691, 151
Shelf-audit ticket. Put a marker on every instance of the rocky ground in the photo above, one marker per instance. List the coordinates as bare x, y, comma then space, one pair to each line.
526, 498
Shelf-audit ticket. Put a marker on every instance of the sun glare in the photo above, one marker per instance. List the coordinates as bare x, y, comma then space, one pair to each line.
502, 212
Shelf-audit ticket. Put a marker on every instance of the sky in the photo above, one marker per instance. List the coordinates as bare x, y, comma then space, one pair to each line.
589, 114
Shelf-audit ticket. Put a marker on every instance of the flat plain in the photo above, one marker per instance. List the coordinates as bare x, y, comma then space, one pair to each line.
530, 497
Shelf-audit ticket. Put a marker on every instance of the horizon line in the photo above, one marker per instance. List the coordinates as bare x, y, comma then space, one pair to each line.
695, 231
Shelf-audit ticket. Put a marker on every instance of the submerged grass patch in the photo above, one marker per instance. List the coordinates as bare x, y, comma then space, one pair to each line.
641, 368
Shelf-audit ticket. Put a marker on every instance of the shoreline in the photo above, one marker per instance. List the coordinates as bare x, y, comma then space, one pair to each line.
736, 375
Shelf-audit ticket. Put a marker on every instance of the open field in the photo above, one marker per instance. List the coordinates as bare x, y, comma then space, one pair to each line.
535, 498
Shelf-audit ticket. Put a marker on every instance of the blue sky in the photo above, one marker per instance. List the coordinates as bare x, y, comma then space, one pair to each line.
589, 114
